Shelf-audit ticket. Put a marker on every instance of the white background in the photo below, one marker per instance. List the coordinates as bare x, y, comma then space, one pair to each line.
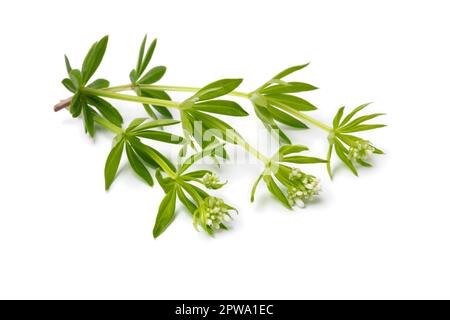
385, 234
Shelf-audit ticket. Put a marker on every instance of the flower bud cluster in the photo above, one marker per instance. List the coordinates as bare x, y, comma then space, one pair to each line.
305, 187
213, 212
211, 181
361, 150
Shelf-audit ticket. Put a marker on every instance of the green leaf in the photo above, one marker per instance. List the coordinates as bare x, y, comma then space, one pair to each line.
276, 191
160, 158
183, 150
149, 111
290, 70
159, 136
285, 118
166, 213
198, 174
363, 127
147, 58
93, 59
225, 107
267, 120
133, 76
164, 111
75, 76
141, 55
106, 109
187, 122
112, 163
378, 151
155, 93
297, 103
288, 149
135, 123
195, 192
219, 128
68, 67
342, 154
165, 183
302, 159
337, 117
147, 152
154, 124
202, 193
219, 152
206, 142
99, 84
154, 75
211, 148
185, 200
138, 166
69, 85
349, 139
361, 120
88, 118
158, 94
255, 185
145, 157
363, 163
147, 107
289, 87
217, 89
351, 114
76, 105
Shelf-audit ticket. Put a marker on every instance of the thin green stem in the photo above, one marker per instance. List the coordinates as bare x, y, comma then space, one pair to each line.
233, 93
307, 118
164, 166
170, 88
124, 87
125, 97
250, 149
111, 93
330, 150
108, 125
187, 89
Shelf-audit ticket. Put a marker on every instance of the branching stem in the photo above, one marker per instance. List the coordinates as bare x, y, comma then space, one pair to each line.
171, 88
126, 97
113, 93
239, 94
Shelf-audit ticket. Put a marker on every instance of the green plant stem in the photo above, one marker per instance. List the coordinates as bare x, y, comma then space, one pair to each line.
112, 93
233, 93
307, 118
170, 88
126, 97
163, 165
250, 149
108, 125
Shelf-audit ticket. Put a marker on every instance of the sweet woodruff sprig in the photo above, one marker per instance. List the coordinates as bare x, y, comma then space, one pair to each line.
209, 212
205, 134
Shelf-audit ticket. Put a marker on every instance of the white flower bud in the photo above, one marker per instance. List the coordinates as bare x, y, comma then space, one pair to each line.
360, 150
211, 214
